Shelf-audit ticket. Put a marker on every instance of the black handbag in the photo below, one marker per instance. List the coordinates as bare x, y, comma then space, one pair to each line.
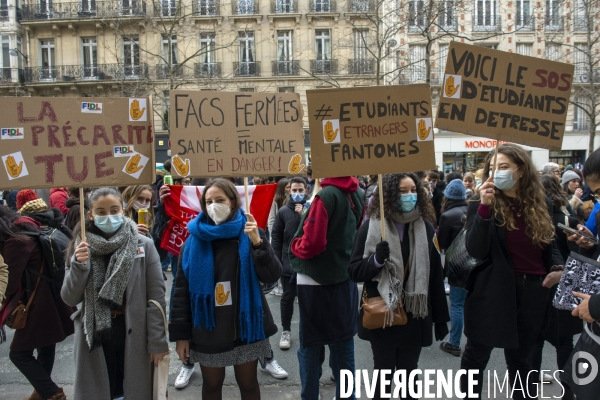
459, 263
581, 373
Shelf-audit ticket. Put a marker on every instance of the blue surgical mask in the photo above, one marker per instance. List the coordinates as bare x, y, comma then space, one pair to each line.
297, 197
503, 179
407, 201
108, 223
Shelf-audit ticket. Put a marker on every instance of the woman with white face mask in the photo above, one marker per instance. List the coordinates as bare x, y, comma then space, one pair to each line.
219, 315
136, 198
509, 226
404, 270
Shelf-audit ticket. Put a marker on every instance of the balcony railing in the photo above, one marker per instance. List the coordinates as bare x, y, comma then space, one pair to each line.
168, 8
361, 66
68, 73
324, 67
554, 23
206, 7
486, 23
322, 6
362, 6
84, 9
246, 68
282, 68
417, 75
284, 6
162, 71
580, 23
11, 75
207, 70
524, 23
245, 7
447, 23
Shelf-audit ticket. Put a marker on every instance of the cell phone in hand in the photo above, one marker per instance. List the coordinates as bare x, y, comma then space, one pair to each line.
572, 231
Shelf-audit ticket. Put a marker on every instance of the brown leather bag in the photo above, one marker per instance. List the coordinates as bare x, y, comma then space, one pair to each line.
18, 317
374, 309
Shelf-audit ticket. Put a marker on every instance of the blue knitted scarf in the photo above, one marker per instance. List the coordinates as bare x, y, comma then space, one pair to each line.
198, 267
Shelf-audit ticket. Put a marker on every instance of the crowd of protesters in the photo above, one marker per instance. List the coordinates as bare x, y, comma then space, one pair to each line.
323, 239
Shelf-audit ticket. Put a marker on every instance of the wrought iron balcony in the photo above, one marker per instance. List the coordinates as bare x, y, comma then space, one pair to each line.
524, 23
68, 73
168, 8
486, 23
11, 75
322, 6
84, 9
206, 7
207, 70
323, 67
554, 23
245, 7
283, 68
246, 68
362, 6
163, 71
417, 75
284, 6
361, 66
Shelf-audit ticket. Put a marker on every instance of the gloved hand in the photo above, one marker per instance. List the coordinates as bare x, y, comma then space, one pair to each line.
382, 252
441, 330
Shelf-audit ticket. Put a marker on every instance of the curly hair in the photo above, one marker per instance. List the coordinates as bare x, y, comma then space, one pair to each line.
391, 183
554, 192
539, 226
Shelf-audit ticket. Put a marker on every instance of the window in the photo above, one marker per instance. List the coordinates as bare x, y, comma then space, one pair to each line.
361, 44
48, 69
285, 6
247, 64
90, 57
418, 63
580, 15
208, 57
285, 56
286, 89
523, 17
417, 17
5, 60
245, 6
581, 63
131, 56
45, 6
485, 14
247, 89
581, 120
20, 55
168, 8
3, 10
322, 45
447, 17
166, 107
553, 20
169, 50
88, 7
322, 6
553, 52
207, 7
525, 49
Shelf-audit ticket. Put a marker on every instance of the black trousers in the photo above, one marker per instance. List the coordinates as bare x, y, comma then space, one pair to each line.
532, 301
37, 371
287, 302
563, 346
393, 357
114, 355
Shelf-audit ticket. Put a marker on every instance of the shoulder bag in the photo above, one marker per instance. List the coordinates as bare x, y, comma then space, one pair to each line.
376, 314
459, 263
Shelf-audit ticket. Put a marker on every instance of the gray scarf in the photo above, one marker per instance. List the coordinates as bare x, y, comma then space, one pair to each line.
391, 276
106, 285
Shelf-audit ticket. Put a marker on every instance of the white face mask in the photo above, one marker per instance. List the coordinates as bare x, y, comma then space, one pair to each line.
218, 212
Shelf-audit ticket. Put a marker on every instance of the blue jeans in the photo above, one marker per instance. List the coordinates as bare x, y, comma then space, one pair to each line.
341, 357
165, 263
457, 308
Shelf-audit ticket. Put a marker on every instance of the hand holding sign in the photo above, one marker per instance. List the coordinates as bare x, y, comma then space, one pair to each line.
13, 169
132, 165
134, 110
295, 166
423, 131
182, 168
220, 295
330, 134
450, 89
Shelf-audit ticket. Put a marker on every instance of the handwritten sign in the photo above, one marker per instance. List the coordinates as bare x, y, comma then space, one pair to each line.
236, 134
505, 96
59, 142
370, 130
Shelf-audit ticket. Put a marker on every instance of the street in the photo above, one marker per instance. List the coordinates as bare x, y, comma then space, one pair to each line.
13, 385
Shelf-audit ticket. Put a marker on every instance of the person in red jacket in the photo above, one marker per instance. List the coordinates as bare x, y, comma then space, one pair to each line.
58, 197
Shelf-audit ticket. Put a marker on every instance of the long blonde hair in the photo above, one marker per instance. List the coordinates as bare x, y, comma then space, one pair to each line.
130, 195
539, 226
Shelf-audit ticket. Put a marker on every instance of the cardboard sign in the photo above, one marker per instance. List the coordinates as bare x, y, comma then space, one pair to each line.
61, 142
505, 96
370, 130
236, 134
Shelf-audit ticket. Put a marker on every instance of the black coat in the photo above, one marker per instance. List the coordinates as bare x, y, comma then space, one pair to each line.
451, 222
226, 334
491, 304
285, 226
416, 332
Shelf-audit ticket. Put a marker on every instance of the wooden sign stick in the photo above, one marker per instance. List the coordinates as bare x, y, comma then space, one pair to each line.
381, 213
246, 194
82, 213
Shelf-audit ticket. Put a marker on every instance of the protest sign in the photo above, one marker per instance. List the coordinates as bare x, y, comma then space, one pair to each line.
60, 142
236, 134
370, 130
505, 96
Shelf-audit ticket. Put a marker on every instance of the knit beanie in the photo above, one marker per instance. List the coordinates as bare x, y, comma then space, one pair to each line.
25, 196
455, 190
569, 176
33, 206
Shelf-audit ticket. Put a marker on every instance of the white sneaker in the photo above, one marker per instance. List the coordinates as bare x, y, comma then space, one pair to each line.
274, 369
286, 340
278, 290
184, 377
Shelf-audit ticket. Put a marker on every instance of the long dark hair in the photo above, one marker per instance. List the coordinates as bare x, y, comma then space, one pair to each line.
230, 191
391, 183
553, 191
10, 226
281, 195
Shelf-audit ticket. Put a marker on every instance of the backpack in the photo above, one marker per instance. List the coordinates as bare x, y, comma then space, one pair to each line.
54, 243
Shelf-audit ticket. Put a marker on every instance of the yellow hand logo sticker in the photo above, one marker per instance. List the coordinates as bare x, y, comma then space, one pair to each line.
134, 110
132, 165
423, 131
295, 167
182, 168
450, 88
220, 294
11, 166
329, 133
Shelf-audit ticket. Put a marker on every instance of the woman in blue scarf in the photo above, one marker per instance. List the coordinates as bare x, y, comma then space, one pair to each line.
219, 314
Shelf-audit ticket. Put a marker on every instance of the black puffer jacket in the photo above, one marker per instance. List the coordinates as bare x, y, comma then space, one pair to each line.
226, 334
451, 222
284, 228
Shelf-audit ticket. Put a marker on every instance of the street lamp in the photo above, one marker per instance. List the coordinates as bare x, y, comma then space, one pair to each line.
15, 52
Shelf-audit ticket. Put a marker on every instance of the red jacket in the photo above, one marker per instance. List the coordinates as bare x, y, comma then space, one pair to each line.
58, 197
